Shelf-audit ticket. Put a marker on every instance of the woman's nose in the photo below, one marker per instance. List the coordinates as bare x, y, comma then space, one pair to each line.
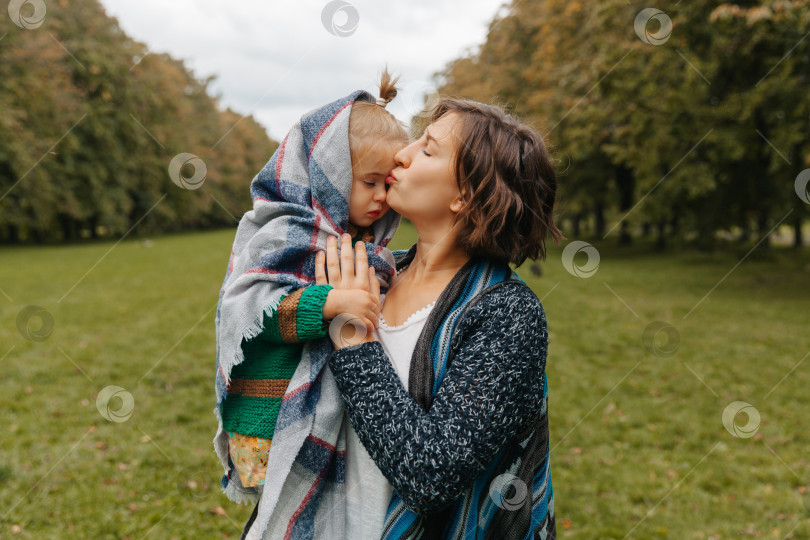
402, 158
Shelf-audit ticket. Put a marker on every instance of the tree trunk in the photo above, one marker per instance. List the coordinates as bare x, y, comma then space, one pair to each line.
661, 238
762, 229
798, 241
575, 224
626, 183
599, 214
13, 234
705, 226
745, 229
625, 239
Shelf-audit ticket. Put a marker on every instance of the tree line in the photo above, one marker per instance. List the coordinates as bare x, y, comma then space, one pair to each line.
688, 124
91, 124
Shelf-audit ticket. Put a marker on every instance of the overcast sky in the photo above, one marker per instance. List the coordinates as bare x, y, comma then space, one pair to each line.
278, 60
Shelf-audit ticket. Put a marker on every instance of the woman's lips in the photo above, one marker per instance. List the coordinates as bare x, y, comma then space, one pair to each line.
390, 179
375, 213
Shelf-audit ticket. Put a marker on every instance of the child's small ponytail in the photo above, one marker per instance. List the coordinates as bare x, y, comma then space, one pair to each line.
388, 88
373, 125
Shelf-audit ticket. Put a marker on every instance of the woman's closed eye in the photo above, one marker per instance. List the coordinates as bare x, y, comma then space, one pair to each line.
426, 153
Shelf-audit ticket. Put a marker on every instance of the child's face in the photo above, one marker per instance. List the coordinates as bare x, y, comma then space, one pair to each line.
370, 165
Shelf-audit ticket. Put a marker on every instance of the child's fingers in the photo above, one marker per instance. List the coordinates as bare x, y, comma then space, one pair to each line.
332, 260
346, 260
320, 268
361, 265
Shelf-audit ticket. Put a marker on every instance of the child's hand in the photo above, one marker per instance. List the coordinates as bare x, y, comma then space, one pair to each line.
357, 302
356, 292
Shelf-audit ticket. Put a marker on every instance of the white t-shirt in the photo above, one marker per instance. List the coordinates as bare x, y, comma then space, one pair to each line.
367, 490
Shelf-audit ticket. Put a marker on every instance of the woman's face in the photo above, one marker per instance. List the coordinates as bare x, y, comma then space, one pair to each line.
423, 185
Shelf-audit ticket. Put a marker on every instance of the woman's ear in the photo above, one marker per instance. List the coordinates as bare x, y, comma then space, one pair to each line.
458, 204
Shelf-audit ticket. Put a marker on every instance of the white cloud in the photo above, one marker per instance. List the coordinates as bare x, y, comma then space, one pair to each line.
277, 60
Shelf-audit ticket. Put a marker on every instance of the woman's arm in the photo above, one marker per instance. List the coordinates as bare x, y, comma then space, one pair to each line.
492, 389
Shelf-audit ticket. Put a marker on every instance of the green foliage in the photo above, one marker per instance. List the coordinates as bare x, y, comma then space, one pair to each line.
90, 122
700, 134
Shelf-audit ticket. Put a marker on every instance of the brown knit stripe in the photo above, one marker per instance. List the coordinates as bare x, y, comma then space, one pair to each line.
287, 311
264, 388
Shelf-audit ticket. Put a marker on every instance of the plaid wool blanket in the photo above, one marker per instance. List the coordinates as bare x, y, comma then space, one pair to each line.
300, 197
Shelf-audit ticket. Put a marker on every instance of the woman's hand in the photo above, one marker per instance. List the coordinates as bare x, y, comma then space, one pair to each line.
354, 302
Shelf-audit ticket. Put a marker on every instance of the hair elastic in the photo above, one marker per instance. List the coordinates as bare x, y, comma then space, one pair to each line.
381, 102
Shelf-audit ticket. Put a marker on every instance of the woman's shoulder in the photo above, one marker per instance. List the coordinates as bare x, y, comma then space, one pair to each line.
505, 307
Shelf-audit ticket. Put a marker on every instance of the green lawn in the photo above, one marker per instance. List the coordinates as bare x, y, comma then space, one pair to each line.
639, 444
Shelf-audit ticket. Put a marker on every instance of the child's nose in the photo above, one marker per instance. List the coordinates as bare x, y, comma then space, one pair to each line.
380, 193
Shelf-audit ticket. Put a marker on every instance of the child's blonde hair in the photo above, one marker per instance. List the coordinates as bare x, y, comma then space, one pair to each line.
370, 123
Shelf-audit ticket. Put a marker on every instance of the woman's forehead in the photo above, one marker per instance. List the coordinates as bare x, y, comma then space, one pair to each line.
442, 127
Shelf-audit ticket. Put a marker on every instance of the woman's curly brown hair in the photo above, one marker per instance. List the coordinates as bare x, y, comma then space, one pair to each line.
507, 181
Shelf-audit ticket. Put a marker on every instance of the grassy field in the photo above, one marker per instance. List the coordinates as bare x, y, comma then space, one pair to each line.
636, 410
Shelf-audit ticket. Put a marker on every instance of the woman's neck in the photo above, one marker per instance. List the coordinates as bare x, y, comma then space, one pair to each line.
435, 260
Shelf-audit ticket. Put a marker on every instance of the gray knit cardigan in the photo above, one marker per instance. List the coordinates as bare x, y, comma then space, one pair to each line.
466, 445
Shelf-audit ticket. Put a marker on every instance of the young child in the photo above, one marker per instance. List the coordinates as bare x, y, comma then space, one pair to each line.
300, 198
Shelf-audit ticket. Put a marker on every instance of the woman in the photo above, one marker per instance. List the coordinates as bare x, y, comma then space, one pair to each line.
453, 415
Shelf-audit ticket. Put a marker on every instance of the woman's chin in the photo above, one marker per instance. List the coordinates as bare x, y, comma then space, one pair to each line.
393, 206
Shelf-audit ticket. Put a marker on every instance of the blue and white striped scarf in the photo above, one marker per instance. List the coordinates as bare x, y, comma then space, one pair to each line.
486, 509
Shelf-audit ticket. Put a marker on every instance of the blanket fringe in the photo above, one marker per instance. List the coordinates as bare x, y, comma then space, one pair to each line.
238, 494
249, 333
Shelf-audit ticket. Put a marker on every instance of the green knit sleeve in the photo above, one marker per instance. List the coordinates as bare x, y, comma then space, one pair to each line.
299, 316
310, 321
